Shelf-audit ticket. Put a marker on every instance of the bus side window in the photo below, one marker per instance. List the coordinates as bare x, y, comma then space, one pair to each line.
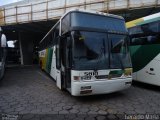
54, 38
63, 50
139, 41
153, 39
145, 40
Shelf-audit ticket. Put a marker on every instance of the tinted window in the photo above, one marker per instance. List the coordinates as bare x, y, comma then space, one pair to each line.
119, 57
97, 21
145, 40
90, 50
50, 39
150, 28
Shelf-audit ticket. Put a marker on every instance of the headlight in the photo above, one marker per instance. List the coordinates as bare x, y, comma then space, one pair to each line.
77, 78
86, 78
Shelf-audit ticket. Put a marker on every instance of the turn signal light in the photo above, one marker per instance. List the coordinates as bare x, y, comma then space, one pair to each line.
128, 71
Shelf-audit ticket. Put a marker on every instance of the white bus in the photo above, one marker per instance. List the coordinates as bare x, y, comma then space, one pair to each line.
87, 53
145, 48
3, 44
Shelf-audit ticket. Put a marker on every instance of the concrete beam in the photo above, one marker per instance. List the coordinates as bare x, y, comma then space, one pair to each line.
53, 9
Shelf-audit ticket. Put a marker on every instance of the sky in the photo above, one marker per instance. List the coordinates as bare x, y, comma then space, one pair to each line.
4, 2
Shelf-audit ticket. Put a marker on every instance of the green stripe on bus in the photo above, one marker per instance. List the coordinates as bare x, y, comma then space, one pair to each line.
45, 59
116, 72
143, 54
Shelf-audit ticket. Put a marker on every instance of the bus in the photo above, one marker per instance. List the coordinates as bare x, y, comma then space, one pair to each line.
3, 44
87, 53
145, 48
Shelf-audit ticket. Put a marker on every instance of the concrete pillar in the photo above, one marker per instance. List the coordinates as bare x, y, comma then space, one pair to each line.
20, 47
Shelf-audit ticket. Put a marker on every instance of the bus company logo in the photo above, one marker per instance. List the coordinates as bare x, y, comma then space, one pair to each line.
90, 73
142, 117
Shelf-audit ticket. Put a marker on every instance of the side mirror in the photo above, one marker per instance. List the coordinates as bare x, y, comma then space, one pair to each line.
3, 41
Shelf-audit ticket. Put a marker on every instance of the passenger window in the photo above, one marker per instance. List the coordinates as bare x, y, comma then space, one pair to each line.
146, 40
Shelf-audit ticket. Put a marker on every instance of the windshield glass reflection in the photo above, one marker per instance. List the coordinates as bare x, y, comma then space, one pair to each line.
98, 51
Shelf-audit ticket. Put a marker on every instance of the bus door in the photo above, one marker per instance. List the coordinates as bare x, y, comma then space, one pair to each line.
58, 64
53, 64
66, 62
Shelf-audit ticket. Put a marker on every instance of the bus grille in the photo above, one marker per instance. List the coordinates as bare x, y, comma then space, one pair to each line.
115, 75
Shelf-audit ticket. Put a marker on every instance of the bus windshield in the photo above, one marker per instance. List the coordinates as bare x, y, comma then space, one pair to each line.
97, 51
119, 55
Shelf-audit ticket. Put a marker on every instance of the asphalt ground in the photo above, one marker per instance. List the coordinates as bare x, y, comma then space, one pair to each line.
29, 93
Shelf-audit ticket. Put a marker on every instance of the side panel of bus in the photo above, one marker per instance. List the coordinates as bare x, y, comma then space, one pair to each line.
46, 59
146, 63
42, 58
49, 60
53, 64
150, 73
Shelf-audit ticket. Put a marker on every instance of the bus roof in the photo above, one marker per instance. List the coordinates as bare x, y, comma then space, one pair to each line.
143, 20
93, 12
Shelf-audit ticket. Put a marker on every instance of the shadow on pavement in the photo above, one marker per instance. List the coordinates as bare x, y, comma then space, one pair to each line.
102, 97
146, 86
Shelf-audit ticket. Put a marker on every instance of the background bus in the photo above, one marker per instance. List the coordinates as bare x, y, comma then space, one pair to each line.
145, 48
3, 44
87, 53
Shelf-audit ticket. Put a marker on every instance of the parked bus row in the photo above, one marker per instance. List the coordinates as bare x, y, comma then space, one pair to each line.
89, 52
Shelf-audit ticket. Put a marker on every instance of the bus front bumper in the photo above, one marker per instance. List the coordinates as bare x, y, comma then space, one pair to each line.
99, 87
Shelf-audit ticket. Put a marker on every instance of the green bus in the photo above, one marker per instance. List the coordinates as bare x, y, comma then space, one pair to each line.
145, 48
